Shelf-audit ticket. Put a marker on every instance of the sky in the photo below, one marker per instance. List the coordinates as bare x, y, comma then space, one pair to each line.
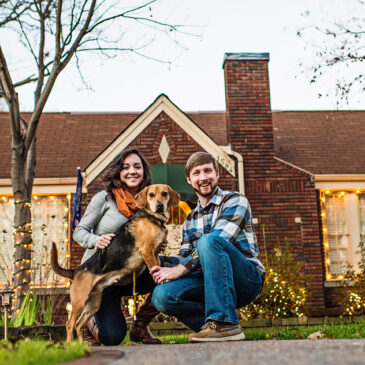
195, 80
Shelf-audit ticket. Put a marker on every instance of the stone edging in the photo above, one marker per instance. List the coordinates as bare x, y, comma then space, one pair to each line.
179, 328
58, 332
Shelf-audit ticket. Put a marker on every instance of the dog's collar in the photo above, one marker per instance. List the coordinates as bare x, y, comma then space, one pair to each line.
159, 217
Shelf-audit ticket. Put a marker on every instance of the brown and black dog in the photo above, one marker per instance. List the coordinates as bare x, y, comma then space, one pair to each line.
136, 242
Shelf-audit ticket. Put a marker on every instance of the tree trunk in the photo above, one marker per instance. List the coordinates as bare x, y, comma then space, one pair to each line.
22, 226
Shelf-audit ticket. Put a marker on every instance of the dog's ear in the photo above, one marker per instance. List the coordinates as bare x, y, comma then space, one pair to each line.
141, 198
174, 197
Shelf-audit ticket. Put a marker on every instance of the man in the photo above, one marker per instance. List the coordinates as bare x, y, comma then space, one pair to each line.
218, 269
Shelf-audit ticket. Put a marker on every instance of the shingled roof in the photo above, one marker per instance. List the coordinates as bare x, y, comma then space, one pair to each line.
322, 142
68, 140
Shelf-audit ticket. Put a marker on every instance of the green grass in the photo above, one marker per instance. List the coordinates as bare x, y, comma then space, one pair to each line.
329, 331
30, 352
254, 334
174, 339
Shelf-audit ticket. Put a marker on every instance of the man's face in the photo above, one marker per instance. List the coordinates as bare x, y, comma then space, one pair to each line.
203, 179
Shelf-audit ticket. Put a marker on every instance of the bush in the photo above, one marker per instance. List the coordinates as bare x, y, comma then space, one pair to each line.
285, 290
353, 288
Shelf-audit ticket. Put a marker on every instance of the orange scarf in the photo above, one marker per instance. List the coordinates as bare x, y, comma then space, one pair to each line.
125, 202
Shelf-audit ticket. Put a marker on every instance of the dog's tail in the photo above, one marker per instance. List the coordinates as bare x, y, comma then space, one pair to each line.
66, 273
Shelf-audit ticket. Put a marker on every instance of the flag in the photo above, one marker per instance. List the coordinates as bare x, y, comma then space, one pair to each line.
77, 202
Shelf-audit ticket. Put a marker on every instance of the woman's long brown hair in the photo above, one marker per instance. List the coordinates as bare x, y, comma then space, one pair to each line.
111, 178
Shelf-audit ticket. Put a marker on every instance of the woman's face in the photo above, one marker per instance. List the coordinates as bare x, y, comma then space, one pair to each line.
132, 173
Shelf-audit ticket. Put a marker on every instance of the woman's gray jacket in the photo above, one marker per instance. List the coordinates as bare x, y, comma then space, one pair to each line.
101, 217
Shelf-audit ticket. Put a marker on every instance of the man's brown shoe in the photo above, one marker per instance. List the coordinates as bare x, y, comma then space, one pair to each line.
214, 331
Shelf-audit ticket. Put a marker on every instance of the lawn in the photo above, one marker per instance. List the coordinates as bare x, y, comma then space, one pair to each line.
355, 330
30, 352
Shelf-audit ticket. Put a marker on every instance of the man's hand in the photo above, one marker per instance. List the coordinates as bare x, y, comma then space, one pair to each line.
104, 240
165, 274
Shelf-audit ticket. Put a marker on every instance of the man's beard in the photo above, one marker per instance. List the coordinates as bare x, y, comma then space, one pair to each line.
206, 195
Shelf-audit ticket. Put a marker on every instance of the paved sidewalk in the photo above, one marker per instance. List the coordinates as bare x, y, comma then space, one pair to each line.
293, 352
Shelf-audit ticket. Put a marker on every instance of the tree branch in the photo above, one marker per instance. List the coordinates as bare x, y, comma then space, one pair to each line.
57, 68
16, 11
11, 98
42, 36
58, 33
30, 168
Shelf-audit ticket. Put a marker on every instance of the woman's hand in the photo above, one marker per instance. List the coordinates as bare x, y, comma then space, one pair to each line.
104, 240
162, 275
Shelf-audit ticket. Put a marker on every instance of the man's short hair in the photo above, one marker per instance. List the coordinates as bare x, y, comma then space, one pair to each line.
200, 158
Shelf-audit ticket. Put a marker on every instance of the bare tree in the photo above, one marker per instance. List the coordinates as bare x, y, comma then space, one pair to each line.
338, 47
55, 32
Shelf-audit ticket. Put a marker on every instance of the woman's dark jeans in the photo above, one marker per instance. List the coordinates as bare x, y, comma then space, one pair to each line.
109, 318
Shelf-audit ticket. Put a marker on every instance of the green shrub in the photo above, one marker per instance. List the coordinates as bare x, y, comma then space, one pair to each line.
286, 286
353, 288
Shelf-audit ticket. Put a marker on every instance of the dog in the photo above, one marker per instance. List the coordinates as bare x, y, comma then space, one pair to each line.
136, 242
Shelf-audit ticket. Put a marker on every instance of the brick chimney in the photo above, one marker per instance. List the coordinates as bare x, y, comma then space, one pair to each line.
249, 120
278, 193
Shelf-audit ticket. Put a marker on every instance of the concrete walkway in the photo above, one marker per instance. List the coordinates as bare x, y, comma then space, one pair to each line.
293, 352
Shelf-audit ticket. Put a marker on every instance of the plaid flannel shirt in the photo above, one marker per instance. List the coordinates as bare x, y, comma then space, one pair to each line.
227, 215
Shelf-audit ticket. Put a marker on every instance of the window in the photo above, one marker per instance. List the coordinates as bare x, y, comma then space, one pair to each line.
50, 223
343, 218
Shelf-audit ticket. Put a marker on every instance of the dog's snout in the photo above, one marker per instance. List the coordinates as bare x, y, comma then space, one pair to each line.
159, 207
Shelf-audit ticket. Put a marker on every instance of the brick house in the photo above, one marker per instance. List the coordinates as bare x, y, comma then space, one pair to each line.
303, 172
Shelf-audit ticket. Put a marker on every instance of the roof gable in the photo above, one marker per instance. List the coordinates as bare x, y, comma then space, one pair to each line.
161, 104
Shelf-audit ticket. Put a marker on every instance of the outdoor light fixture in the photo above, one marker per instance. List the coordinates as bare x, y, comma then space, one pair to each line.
5, 294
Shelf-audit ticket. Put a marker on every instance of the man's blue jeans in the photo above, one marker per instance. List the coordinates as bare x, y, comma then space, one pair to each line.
228, 280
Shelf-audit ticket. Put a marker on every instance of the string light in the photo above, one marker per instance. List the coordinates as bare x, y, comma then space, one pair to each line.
354, 305
282, 300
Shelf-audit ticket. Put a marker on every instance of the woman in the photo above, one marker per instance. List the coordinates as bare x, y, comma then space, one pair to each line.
127, 174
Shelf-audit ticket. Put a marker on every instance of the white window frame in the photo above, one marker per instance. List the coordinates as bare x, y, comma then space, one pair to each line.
352, 216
